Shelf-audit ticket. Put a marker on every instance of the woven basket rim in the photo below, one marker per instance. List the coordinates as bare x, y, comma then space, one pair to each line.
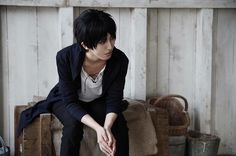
174, 130
170, 96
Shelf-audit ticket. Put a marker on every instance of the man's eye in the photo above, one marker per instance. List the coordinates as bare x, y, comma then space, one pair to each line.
102, 41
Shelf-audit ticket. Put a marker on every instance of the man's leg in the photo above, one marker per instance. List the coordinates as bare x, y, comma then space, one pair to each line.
72, 133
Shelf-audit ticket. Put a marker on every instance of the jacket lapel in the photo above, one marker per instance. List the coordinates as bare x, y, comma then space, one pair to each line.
77, 57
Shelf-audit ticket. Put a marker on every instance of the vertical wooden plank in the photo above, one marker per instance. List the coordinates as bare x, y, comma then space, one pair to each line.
22, 58
138, 53
45, 135
124, 44
18, 139
31, 139
163, 48
1, 73
5, 114
204, 69
224, 82
66, 26
152, 36
182, 54
48, 45
214, 78
158, 54
233, 97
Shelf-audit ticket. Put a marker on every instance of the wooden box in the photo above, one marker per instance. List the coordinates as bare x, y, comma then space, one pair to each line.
36, 138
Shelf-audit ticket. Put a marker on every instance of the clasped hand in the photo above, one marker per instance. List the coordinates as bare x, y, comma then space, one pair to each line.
106, 141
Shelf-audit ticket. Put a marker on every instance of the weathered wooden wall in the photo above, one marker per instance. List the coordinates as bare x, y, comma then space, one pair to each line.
185, 50
192, 52
224, 76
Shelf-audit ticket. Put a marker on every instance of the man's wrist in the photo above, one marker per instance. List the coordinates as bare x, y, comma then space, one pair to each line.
97, 128
107, 127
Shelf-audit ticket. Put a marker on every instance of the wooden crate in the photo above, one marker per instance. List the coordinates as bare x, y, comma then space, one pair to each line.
36, 138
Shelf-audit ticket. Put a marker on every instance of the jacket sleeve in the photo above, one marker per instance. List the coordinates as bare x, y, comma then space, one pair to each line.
68, 87
115, 92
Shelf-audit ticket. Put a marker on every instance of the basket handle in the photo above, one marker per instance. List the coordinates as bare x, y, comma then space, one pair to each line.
175, 96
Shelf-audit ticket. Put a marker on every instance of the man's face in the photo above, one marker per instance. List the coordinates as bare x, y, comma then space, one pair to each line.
104, 48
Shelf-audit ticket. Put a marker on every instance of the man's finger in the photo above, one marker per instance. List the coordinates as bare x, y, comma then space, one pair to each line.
110, 139
104, 151
105, 146
105, 137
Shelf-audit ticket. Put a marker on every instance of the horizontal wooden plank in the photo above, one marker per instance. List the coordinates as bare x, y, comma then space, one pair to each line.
124, 4
154, 4
46, 3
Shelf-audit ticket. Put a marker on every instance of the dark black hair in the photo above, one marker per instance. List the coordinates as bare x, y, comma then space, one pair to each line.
92, 26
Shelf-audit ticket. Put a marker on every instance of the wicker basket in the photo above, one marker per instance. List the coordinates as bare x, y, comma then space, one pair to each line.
178, 116
161, 123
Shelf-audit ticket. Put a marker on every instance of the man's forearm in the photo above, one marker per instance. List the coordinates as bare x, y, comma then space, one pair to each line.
89, 121
110, 119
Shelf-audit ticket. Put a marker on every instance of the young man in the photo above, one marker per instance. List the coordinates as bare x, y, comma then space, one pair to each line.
90, 89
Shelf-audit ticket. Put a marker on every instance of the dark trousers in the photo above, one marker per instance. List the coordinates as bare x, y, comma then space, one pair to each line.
73, 129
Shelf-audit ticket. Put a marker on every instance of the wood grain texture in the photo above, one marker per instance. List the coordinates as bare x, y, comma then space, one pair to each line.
65, 26
152, 45
48, 41
42, 3
45, 136
182, 54
124, 28
22, 59
125, 4
163, 50
156, 4
4, 91
224, 82
138, 52
203, 70
31, 139
18, 141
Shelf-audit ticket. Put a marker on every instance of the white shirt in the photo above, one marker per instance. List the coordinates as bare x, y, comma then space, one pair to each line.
91, 88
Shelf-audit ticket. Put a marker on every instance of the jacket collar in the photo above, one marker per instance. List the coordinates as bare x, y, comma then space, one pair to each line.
77, 57
110, 73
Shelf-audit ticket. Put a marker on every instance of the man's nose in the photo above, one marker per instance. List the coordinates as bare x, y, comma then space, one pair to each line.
110, 44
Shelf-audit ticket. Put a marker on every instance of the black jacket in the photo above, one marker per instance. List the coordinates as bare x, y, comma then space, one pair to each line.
69, 64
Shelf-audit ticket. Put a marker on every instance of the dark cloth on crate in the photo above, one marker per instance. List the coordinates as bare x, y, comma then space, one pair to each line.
69, 64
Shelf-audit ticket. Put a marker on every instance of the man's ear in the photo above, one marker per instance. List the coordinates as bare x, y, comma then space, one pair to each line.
84, 46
